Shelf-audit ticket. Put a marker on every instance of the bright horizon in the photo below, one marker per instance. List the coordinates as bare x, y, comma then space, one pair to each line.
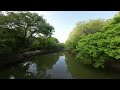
65, 21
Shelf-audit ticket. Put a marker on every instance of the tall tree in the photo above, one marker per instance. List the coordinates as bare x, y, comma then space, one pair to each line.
22, 27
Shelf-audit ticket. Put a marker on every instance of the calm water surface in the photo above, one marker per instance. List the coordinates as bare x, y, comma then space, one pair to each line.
54, 66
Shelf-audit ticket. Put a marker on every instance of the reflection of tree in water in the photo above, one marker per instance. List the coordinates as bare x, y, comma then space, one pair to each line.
78, 70
59, 70
36, 67
12, 72
40, 64
81, 71
32, 69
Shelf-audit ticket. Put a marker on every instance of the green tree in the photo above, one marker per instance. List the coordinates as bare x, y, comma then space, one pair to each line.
100, 48
21, 28
83, 28
46, 43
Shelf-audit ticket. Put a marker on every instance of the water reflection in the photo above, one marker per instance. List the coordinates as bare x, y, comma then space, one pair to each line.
32, 69
36, 67
81, 71
11, 77
48, 66
53, 66
26, 63
59, 70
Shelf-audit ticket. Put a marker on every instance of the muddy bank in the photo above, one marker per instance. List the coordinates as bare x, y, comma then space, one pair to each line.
113, 65
13, 58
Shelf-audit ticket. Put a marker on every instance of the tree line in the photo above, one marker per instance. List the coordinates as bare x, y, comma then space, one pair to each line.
22, 31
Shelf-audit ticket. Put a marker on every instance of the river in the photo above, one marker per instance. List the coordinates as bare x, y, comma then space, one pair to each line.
54, 66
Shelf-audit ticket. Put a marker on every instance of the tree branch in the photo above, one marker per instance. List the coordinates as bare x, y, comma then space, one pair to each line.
25, 33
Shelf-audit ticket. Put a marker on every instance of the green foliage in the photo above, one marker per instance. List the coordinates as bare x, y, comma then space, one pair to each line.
83, 28
19, 29
101, 47
46, 43
96, 42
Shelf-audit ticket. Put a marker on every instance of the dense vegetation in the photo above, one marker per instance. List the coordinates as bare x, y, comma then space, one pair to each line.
46, 43
96, 42
83, 28
25, 31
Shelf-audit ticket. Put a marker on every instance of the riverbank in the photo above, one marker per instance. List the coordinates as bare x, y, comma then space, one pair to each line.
73, 53
15, 57
111, 65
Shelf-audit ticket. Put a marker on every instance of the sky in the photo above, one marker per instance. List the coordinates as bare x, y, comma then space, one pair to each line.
65, 21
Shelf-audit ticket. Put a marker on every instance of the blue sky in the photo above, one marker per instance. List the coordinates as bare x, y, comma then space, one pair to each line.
65, 21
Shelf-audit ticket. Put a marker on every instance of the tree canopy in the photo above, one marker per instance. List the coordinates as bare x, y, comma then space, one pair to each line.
83, 28
98, 42
18, 30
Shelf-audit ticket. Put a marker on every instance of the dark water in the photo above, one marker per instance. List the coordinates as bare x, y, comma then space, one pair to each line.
53, 66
